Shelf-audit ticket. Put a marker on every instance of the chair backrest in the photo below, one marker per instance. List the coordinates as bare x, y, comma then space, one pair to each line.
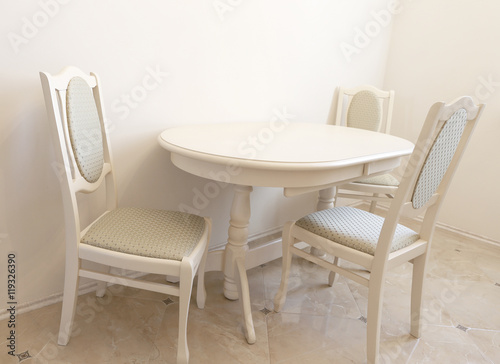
74, 108
365, 107
439, 148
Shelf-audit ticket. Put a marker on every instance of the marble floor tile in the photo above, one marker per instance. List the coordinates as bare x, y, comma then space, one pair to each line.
441, 344
308, 290
292, 337
318, 324
488, 343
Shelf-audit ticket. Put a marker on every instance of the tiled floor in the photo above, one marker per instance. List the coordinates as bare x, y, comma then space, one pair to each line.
318, 324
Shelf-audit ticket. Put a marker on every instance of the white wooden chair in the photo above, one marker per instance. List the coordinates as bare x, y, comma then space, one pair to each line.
144, 240
369, 108
379, 244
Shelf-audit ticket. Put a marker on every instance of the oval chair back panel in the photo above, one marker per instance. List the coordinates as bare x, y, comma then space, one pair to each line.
364, 111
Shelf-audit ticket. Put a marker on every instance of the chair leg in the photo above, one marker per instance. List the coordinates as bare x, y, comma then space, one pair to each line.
375, 297
331, 276
244, 295
373, 204
101, 289
101, 285
287, 240
416, 294
186, 286
201, 292
70, 296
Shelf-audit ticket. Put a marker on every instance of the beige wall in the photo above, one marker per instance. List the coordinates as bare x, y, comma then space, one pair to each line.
176, 62
441, 50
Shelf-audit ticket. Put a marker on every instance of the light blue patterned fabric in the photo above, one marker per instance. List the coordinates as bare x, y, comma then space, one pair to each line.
84, 129
439, 158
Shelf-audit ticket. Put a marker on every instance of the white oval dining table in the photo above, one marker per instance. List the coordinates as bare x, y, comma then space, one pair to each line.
298, 157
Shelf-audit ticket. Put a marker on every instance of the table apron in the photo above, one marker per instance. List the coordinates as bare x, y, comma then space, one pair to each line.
307, 179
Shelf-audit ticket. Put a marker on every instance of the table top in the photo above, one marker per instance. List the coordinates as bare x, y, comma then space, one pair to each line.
293, 146
299, 157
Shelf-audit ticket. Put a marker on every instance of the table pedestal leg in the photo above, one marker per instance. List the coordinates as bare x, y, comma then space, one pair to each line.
235, 276
326, 200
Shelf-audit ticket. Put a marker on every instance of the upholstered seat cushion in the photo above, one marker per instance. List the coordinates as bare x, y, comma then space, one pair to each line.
147, 232
354, 228
382, 180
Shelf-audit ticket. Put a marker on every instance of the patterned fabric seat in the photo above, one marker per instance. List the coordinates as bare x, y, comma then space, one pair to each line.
354, 228
147, 232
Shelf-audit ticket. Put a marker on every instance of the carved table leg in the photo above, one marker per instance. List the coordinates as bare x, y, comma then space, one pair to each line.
326, 199
237, 243
235, 277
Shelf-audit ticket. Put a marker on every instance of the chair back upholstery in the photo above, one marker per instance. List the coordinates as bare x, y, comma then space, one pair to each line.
364, 111
439, 158
364, 107
76, 118
439, 148
84, 128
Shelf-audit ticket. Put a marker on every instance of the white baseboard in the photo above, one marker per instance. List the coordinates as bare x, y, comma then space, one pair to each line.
263, 248
54, 298
468, 234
